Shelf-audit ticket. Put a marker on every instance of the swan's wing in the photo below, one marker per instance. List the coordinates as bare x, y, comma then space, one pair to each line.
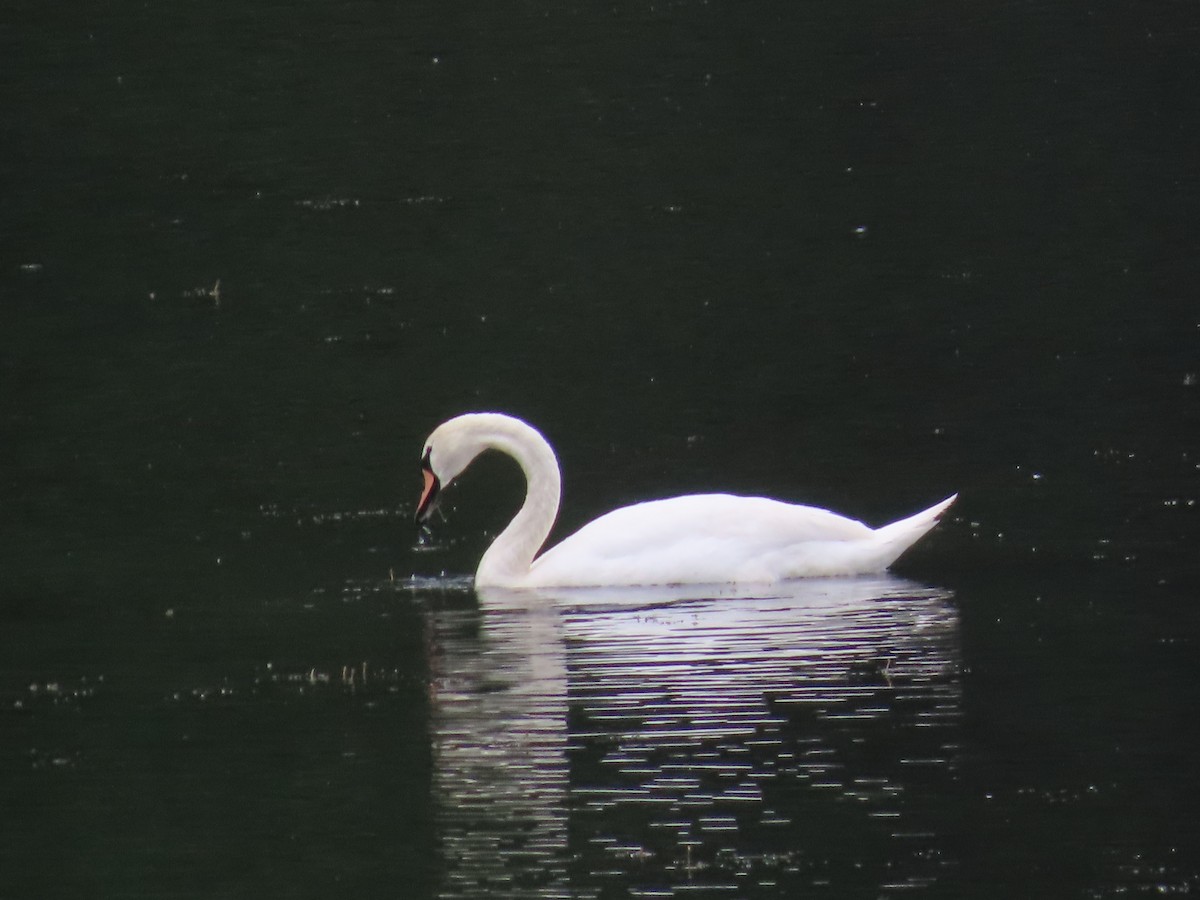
698, 538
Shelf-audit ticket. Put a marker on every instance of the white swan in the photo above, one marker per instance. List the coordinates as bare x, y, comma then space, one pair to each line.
696, 539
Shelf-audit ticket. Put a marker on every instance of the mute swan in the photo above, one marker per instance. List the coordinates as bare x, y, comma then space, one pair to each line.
696, 539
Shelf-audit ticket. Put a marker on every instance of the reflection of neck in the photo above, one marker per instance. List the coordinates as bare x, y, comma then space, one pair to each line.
508, 559
499, 728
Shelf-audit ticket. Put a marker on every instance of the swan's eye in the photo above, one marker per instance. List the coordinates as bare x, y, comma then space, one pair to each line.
426, 462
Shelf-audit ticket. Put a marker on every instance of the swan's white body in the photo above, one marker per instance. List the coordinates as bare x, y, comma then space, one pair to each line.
697, 539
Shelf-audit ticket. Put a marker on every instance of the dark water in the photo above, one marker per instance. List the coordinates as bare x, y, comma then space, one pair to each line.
855, 254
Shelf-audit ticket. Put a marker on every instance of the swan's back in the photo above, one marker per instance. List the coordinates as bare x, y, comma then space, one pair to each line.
713, 538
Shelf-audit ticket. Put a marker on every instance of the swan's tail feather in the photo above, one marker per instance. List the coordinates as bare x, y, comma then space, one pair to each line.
897, 537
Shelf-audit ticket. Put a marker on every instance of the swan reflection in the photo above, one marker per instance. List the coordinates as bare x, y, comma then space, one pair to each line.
650, 742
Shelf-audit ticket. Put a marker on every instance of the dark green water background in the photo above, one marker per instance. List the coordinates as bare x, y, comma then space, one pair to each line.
857, 254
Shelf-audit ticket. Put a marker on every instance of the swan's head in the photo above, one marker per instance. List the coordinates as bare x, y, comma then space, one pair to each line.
448, 451
455, 443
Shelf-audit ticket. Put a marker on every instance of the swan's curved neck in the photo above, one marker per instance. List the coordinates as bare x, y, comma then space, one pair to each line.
507, 560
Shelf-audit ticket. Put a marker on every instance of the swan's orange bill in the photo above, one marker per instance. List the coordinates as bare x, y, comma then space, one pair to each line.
428, 494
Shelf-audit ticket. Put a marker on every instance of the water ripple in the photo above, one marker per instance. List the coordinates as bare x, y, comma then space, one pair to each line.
660, 744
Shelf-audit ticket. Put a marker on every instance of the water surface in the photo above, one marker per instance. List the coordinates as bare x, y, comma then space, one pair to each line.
857, 255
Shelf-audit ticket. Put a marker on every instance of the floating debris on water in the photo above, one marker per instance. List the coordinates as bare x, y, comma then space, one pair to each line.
335, 517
